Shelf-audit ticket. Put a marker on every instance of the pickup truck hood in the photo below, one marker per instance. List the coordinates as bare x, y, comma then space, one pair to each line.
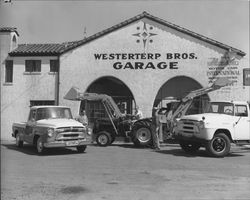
56, 123
210, 117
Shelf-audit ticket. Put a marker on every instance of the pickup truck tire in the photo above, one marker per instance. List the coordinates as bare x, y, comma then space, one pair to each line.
141, 134
219, 146
189, 147
103, 138
19, 142
81, 149
39, 146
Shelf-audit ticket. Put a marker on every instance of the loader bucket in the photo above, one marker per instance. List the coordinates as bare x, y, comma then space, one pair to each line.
73, 94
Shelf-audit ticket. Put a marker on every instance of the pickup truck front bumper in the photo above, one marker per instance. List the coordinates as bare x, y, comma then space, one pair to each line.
67, 143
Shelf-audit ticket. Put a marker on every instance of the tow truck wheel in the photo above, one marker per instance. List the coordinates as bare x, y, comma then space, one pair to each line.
103, 139
19, 142
189, 147
39, 146
81, 149
219, 146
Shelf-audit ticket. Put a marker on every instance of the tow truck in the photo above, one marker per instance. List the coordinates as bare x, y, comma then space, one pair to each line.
125, 125
222, 123
181, 107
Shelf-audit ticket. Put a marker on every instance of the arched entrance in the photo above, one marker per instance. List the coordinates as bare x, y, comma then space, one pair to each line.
113, 87
178, 87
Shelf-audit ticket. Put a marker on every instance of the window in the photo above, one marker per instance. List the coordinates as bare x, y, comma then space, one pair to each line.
32, 65
41, 102
220, 107
32, 115
246, 77
241, 110
54, 65
53, 112
9, 71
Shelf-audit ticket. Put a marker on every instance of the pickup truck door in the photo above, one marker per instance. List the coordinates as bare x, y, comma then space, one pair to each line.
242, 124
28, 136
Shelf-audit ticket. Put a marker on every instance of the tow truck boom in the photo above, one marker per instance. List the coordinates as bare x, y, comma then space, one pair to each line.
188, 99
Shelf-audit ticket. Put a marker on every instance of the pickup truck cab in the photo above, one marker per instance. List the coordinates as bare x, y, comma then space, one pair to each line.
223, 123
51, 127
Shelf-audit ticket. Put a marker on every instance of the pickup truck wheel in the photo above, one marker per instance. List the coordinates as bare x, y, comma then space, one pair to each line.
189, 147
19, 142
81, 149
103, 138
219, 146
39, 146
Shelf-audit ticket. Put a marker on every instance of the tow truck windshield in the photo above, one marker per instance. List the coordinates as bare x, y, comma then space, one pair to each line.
220, 107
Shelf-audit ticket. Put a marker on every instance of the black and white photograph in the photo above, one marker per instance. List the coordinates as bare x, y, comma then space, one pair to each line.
120, 100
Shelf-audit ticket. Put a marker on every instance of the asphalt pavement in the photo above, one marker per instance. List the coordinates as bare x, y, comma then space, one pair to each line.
121, 171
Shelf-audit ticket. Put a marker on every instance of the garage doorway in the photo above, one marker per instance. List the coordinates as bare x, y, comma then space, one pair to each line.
178, 87
113, 87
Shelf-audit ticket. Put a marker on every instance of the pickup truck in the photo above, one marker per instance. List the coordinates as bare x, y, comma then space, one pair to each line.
222, 123
51, 127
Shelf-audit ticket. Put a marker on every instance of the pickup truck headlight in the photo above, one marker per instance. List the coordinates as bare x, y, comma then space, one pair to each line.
89, 131
50, 132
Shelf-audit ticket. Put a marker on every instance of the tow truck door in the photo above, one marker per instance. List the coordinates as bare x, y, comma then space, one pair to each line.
242, 126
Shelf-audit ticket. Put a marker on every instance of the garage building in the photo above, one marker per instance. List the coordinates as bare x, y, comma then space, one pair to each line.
139, 61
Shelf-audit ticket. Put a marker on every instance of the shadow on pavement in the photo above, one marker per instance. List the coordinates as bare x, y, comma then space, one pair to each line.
170, 149
129, 145
31, 150
200, 153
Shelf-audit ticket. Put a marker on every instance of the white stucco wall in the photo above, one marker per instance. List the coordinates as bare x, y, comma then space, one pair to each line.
80, 68
15, 97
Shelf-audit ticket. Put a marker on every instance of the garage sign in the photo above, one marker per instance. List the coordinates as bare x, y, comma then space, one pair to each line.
134, 61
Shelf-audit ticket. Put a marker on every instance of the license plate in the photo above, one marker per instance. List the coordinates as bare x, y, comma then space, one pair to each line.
72, 143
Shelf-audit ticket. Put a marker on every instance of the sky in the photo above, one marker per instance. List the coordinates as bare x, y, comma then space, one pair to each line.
57, 21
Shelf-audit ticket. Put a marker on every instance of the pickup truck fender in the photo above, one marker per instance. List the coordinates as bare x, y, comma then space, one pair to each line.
19, 130
39, 132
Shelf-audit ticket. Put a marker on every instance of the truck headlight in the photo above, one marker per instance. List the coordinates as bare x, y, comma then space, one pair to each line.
50, 132
201, 124
89, 131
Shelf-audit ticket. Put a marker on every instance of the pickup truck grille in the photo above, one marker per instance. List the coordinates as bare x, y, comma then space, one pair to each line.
70, 129
70, 133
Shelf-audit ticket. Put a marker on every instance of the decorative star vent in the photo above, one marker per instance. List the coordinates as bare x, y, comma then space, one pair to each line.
144, 34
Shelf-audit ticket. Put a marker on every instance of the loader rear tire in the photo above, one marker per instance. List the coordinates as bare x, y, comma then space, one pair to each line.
141, 134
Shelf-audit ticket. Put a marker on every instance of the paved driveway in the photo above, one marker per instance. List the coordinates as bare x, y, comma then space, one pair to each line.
121, 172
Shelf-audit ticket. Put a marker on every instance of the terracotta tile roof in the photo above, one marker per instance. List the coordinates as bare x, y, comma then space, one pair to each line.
37, 50
9, 29
57, 49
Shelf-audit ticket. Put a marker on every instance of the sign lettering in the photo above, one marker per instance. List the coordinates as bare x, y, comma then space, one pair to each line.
152, 61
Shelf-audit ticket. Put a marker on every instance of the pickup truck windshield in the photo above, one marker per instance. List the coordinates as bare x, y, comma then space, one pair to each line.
53, 112
220, 107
